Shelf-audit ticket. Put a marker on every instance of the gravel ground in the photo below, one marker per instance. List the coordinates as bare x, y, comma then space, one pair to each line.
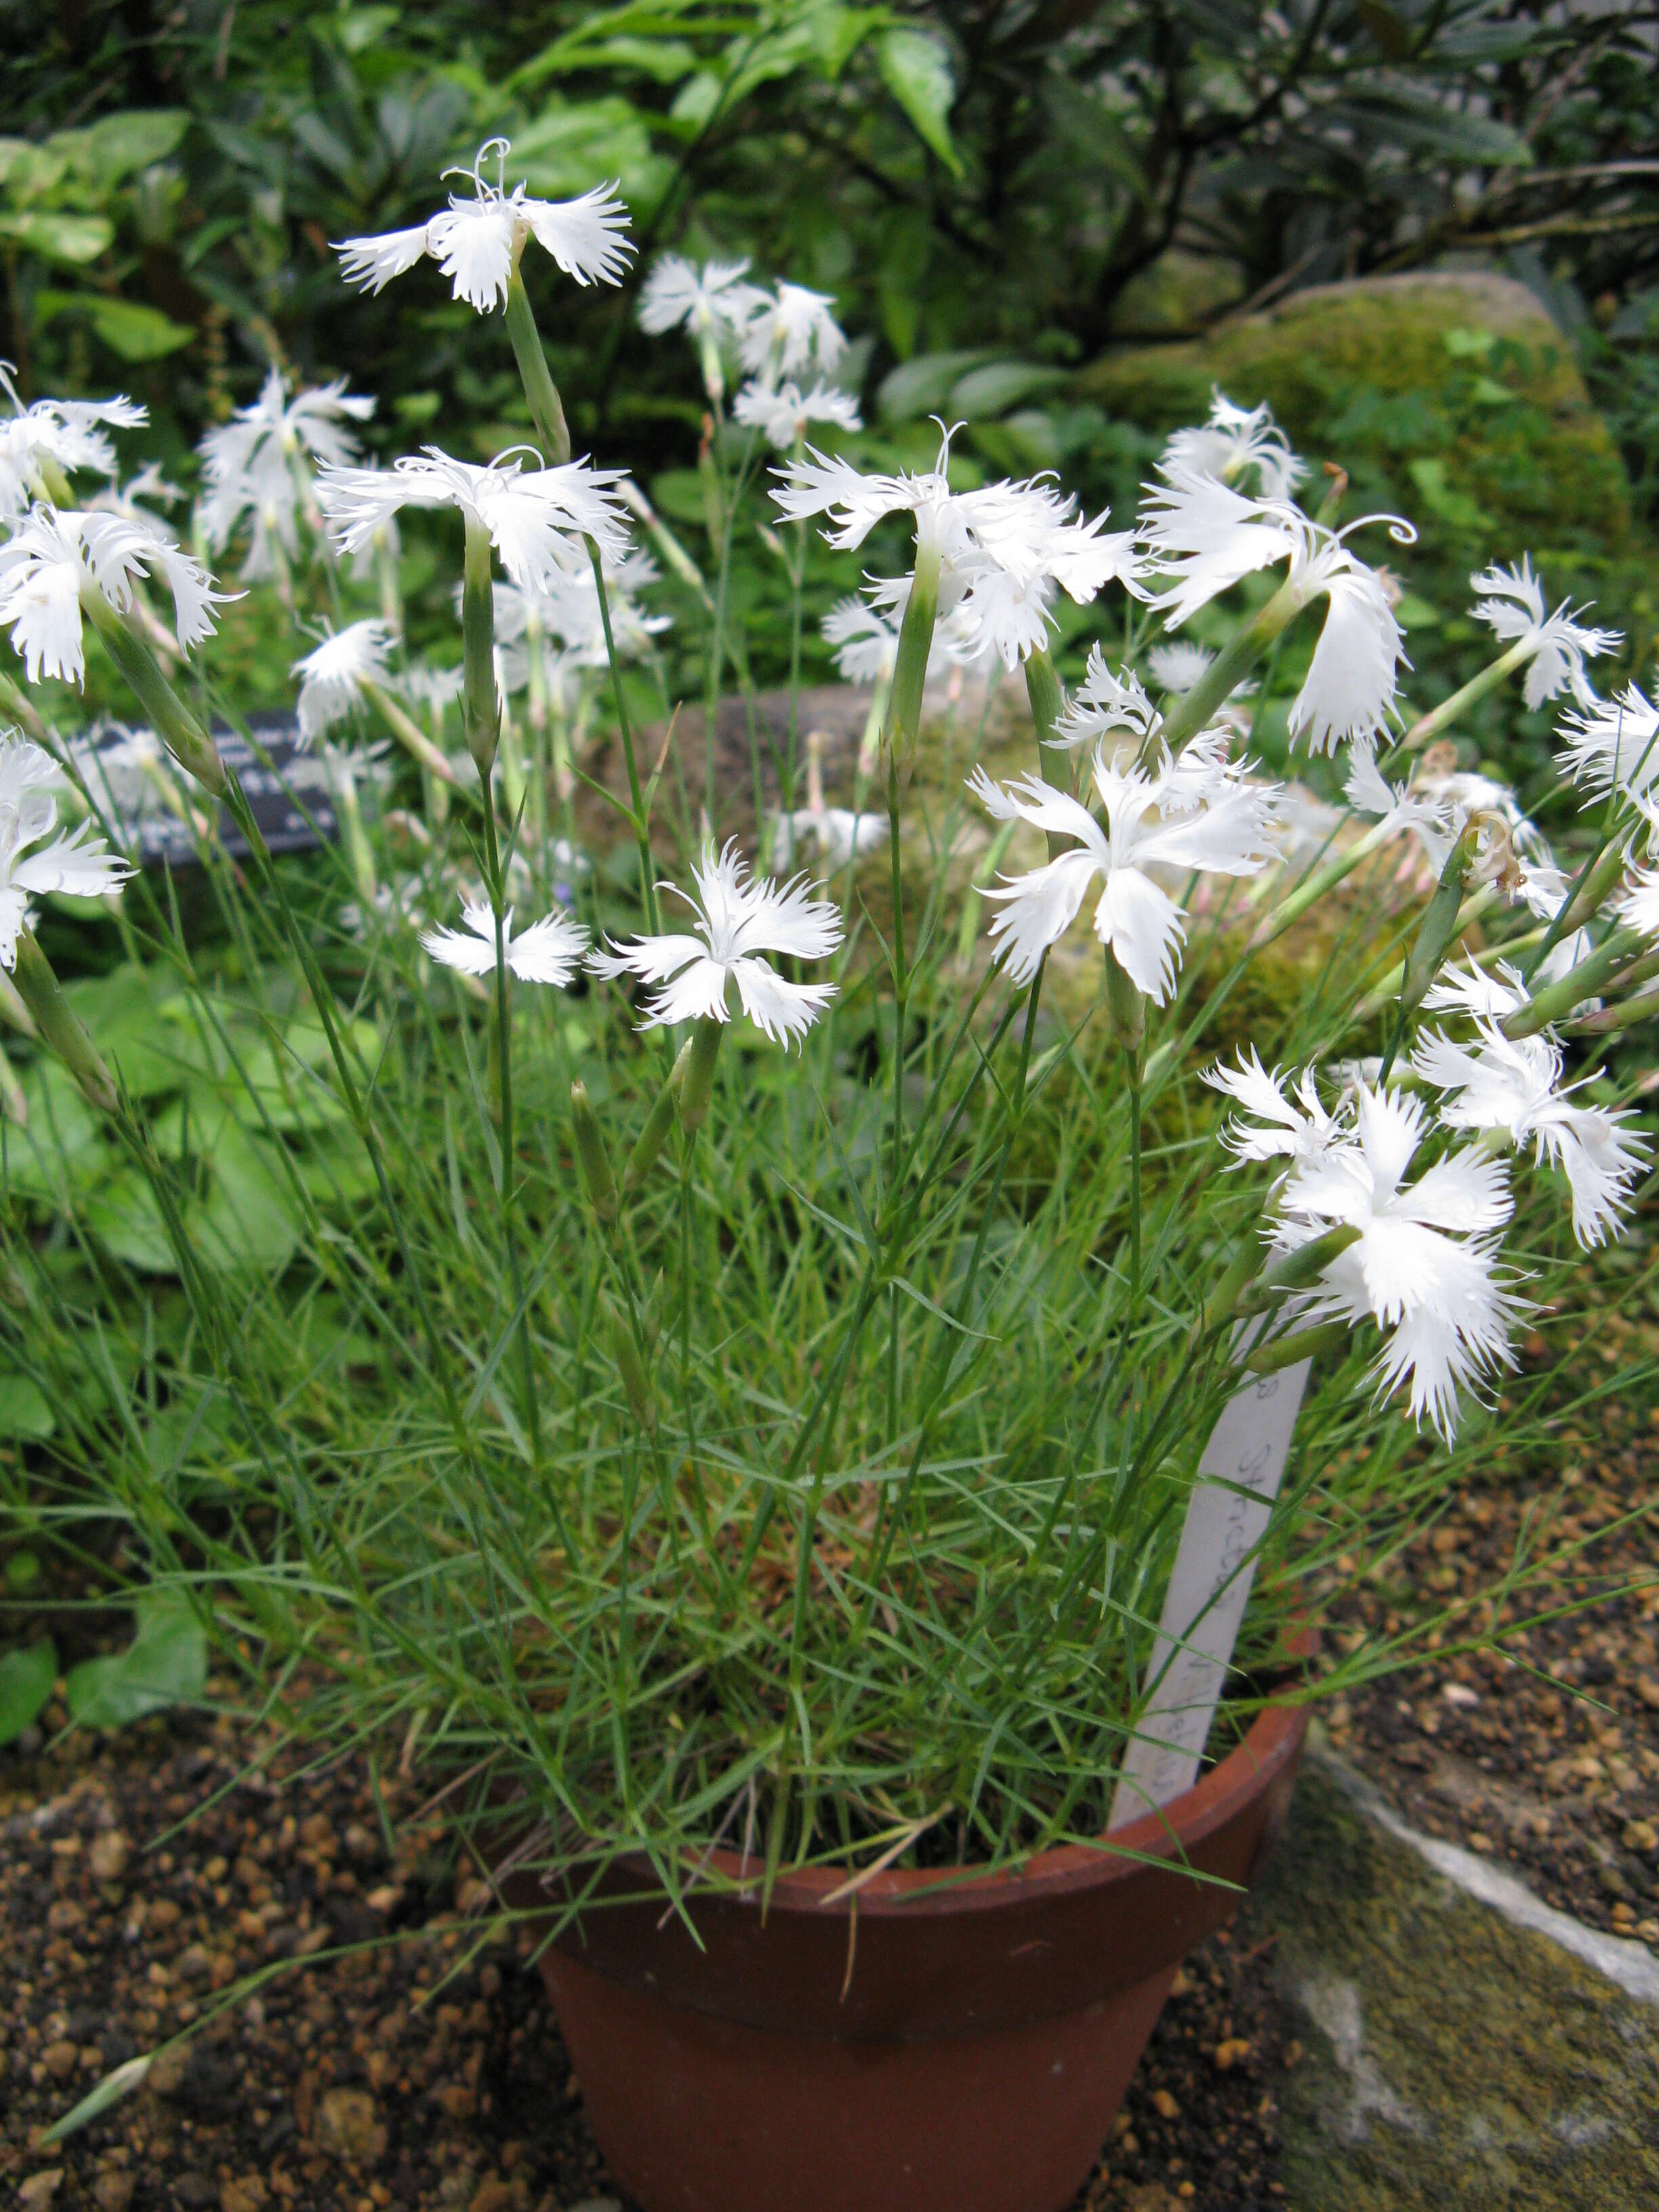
426, 2073
1545, 1756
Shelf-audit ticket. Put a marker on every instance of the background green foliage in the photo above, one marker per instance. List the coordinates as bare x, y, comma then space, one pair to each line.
1040, 178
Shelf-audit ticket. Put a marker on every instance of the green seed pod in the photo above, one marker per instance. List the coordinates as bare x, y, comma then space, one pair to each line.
43, 994
659, 1123
1125, 1007
631, 1369
697, 1084
590, 1152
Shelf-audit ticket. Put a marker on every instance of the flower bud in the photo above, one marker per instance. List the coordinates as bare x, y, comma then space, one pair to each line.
1126, 1009
43, 994
659, 1123
590, 1152
697, 1084
631, 1369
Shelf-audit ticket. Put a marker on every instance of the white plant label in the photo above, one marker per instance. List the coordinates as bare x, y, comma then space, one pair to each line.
1209, 1587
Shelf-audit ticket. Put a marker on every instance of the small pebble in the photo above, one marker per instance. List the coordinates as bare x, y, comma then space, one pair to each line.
38, 2192
108, 1856
112, 2192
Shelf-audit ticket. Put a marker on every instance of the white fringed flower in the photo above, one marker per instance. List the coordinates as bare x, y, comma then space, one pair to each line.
1513, 1085
999, 549
476, 242
736, 917
63, 431
79, 863
1614, 742
1278, 1128
1236, 439
840, 834
1559, 644
710, 302
1207, 537
1175, 668
790, 329
1425, 1265
332, 676
549, 952
258, 464
55, 558
864, 637
537, 518
1210, 820
1398, 810
782, 416
1107, 705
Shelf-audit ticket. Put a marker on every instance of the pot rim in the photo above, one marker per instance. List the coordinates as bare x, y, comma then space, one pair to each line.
1168, 1834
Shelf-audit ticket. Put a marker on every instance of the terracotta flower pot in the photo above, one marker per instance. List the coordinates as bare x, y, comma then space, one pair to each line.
940, 2044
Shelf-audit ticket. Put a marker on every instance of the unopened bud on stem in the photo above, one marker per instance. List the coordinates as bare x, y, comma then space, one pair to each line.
659, 1123
43, 994
590, 1152
697, 1084
1126, 1008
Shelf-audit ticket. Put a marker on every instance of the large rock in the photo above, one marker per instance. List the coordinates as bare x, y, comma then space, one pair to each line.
1452, 396
1455, 2061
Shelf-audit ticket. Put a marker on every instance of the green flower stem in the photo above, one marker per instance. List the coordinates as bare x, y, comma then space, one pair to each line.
640, 812
1434, 933
1478, 903
591, 1156
1126, 1008
546, 409
358, 849
1602, 874
409, 734
1048, 697
1556, 1000
16, 701
1611, 1019
503, 1072
903, 719
697, 1083
658, 1123
1313, 888
1280, 1352
1298, 1270
481, 705
1427, 727
179, 729
57, 1023
1190, 712
664, 540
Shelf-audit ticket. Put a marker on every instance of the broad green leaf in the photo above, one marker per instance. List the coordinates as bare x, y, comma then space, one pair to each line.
666, 60
136, 333
991, 390
166, 1664
1456, 507
27, 1675
24, 1410
922, 384
1389, 29
117, 145
250, 1218
58, 235
123, 1215
916, 70
360, 27
63, 1144
570, 147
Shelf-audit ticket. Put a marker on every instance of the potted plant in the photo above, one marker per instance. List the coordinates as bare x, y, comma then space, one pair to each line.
808, 1481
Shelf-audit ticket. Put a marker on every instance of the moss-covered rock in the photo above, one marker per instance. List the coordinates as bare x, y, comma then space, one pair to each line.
1454, 2062
1455, 396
